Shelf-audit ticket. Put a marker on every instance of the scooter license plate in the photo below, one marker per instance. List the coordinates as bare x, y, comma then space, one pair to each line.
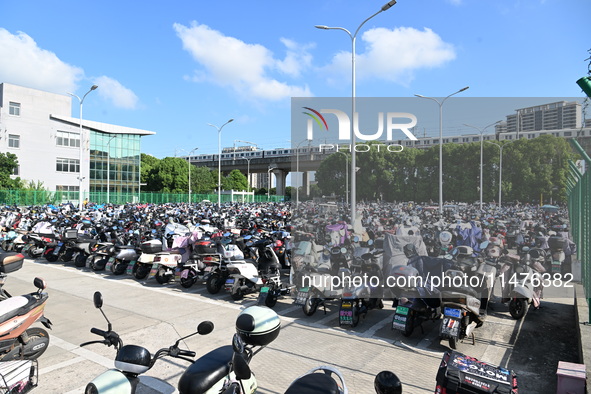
402, 310
57, 248
450, 327
230, 281
301, 296
264, 289
452, 312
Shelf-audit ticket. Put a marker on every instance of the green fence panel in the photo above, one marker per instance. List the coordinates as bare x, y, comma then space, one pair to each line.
579, 209
42, 197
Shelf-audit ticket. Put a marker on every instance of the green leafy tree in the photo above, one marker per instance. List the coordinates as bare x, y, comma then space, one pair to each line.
235, 180
8, 163
171, 175
202, 180
149, 164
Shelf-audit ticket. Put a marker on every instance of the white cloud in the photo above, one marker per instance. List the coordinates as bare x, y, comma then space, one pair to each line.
243, 67
111, 90
394, 55
23, 63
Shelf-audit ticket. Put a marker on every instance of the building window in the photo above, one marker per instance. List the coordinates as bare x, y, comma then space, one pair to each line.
14, 141
68, 192
65, 138
67, 165
16, 171
14, 108
568, 133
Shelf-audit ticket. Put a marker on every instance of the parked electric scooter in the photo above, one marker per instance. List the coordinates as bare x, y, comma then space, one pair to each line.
248, 276
132, 360
226, 369
18, 340
524, 282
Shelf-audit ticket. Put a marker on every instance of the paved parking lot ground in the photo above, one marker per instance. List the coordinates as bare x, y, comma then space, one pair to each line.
154, 316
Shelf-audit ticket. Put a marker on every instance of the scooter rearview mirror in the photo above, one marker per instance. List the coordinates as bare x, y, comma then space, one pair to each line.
237, 344
205, 327
98, 300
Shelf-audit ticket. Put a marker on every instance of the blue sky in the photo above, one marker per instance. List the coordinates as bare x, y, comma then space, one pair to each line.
173, 67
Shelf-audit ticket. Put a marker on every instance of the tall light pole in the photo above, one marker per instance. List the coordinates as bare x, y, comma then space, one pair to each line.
353, 37
109, 168
440, 103
219, 129
501, 146
481, 131
80, 177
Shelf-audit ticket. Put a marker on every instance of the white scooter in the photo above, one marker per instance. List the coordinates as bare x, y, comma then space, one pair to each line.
132, 360
249, 276
525, 283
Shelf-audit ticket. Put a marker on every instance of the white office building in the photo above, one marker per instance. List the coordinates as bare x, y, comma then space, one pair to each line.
39, 129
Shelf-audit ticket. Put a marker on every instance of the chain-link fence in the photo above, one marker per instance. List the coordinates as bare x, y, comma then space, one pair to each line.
40, 197
579, 209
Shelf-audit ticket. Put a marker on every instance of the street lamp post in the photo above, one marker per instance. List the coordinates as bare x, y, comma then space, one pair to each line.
353, 37
219, 129
109, 168
501, 146
481, 131
80, 177
440, 103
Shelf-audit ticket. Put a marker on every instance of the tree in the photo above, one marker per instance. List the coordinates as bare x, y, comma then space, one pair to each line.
202, 180
8, 163
171, 175
148, 166
236, 180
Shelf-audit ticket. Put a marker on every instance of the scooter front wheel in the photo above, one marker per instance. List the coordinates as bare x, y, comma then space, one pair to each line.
310, 306
162, 277
118, 267
214, 283
37, 343
238, 295
517, 308
409, 324
271, 300
189, 280
141, 271
453, 343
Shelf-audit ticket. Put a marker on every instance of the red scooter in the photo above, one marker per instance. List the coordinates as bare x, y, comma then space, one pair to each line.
18, 340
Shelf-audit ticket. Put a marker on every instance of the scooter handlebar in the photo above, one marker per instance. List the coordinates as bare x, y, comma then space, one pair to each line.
187, 353
96, 331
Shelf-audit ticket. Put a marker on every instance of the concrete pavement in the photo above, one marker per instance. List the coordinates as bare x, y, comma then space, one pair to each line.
154, 316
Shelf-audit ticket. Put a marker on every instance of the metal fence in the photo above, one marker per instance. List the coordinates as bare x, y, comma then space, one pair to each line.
40, 197
579, 210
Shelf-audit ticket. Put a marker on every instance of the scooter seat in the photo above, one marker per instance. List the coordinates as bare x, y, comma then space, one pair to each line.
314, 383
15, 306
10, 257
206, 371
